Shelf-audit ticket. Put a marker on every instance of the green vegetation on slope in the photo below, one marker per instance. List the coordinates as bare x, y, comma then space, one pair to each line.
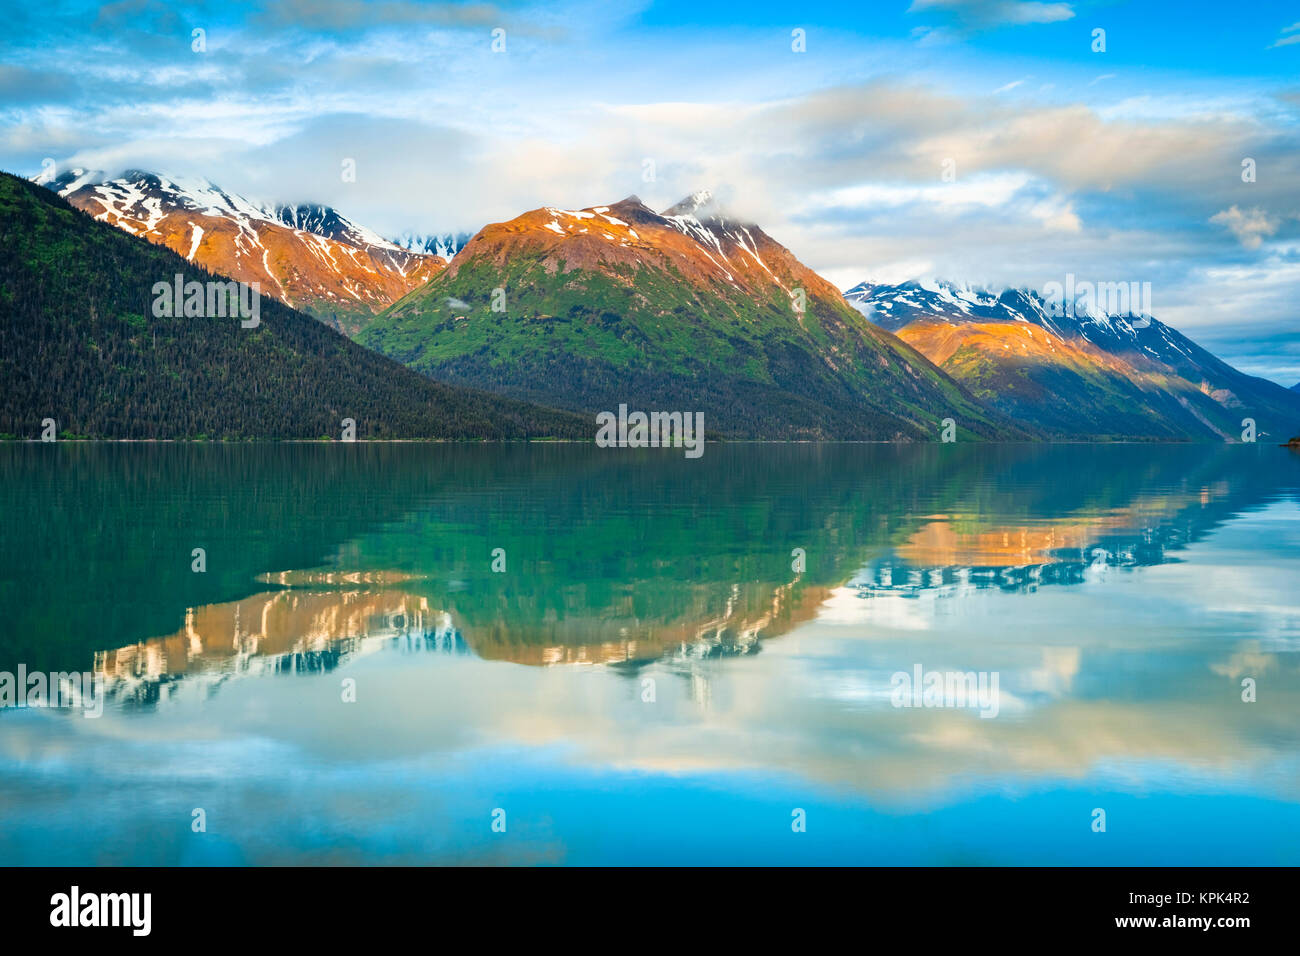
588, 339
79, 344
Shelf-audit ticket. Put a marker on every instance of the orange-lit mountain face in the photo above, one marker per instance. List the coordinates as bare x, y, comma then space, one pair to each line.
308, 257
1079, 374
687, 309
85, 350
707, 250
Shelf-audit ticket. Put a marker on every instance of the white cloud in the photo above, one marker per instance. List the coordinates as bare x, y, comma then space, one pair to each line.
1249, 226
1284, 40
987, 13
1057, 215
989, 191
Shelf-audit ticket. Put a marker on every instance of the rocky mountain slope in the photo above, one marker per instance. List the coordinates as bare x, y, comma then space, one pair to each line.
685, 310
82, 344
1077, 371
309, 257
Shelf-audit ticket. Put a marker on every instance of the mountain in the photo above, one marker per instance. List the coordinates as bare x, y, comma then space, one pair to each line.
444, 245
309, 257
1089, 374
80, 343
688, 310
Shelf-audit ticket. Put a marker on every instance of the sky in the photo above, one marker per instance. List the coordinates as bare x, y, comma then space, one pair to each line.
991, 142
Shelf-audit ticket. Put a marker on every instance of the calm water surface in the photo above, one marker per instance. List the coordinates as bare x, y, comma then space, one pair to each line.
656, 676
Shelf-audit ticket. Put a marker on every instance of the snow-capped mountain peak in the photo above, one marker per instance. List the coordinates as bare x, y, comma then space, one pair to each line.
703, 204
444, 244
896, 306
308, 255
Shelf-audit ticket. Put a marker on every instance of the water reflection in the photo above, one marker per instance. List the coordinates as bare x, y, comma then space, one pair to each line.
104, 533
291, 632
652, 655
323, 617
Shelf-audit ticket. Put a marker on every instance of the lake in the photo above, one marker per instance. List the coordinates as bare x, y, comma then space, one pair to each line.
561, 654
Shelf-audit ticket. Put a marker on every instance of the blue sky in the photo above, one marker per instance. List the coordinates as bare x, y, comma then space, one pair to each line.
1122, 164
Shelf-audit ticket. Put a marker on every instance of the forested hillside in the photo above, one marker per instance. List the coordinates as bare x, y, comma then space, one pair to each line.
79, 343
686, 310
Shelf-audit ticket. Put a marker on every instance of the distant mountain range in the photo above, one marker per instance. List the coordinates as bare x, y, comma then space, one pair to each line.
443, 245
1077, 372
80, 343
687, 309
692, 309
309, 257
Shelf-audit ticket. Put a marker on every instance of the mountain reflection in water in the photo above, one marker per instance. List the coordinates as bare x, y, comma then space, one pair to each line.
655, 676
319, 618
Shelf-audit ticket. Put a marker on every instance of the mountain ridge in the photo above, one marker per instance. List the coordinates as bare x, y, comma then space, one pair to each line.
1088, 373
694, 307
80, 343
309, 256
618, 303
